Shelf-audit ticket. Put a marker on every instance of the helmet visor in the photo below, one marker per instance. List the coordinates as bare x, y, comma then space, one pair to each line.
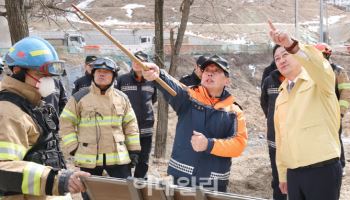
104, 63
55, 68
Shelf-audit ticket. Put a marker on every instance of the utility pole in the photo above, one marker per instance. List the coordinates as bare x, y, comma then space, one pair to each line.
321, 21
296, 9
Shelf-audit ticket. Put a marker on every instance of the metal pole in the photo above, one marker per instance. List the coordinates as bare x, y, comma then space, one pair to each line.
321, 21
296, 9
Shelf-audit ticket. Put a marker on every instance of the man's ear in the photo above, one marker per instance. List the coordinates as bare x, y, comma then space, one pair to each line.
16, 70
227, 81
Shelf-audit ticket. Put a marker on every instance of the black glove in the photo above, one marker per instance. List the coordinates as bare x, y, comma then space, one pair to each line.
134, 157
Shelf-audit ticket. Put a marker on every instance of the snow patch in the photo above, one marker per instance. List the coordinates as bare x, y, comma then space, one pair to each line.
83, 5
335, 19
238, 40
253, 68
130, 8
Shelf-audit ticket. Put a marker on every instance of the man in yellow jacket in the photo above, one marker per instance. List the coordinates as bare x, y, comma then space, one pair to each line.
307, 120
99, 127
29, 157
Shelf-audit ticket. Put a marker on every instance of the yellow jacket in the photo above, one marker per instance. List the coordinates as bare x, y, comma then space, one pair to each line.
99, 124
307, 119
18, 133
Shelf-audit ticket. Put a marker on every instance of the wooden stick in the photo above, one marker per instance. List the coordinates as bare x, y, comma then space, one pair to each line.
125, 50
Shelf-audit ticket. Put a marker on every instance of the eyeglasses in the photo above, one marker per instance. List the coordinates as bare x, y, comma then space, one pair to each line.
55, 68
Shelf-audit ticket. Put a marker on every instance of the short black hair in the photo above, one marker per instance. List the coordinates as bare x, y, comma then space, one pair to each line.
274, 50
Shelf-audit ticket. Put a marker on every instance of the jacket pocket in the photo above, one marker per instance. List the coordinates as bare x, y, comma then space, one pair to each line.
86, 155
87, 137
119, 141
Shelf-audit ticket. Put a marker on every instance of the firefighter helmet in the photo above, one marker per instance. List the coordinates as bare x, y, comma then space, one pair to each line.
35, 53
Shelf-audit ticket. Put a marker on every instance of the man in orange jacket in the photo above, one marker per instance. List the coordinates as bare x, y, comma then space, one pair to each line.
211, 127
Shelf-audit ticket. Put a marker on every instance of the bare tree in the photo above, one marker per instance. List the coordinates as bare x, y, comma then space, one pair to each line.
163, 107
16, 15
162, 116
18, 12
176, 46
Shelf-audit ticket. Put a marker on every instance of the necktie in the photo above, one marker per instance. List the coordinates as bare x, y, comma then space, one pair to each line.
290, 86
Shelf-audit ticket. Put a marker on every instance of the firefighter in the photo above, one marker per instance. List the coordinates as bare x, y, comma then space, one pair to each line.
31, 164
142, 95
99, 127
342, 90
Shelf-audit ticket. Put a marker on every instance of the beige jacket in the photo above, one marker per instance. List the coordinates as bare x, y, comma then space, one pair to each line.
307, 119
18, 133
99, 124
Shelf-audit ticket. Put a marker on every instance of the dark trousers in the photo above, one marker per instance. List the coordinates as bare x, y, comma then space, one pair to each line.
209, 184
342, 155
116, 171
277, 194
318, 183
142, 166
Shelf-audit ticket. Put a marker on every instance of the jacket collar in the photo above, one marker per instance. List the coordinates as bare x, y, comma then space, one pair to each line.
200, 94
133, 75
194, 75
97, 90
24, 90
303, 75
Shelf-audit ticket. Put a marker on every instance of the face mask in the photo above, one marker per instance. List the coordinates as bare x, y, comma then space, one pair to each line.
46, 86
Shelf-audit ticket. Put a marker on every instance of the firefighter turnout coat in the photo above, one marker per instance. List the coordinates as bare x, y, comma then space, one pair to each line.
93, 124
18, 133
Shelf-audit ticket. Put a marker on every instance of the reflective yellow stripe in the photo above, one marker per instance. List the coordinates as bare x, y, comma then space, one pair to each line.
11, 151
32, 178
111, 158
85, 159
69, 138
132, 139
117, 157
11, 50
39, 52
66, 114
114, 158
344, 103
128, 117
101, 121
342, 86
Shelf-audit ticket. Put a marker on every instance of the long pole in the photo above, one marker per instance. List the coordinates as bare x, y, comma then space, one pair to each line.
125, 50
296, 9
321, 21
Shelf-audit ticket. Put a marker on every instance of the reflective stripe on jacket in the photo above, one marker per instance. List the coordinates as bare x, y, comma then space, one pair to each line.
222, 123
342, 88
142, 95
99, 124
18, 133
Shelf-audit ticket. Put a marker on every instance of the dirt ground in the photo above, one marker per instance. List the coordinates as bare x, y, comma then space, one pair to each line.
250, 174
